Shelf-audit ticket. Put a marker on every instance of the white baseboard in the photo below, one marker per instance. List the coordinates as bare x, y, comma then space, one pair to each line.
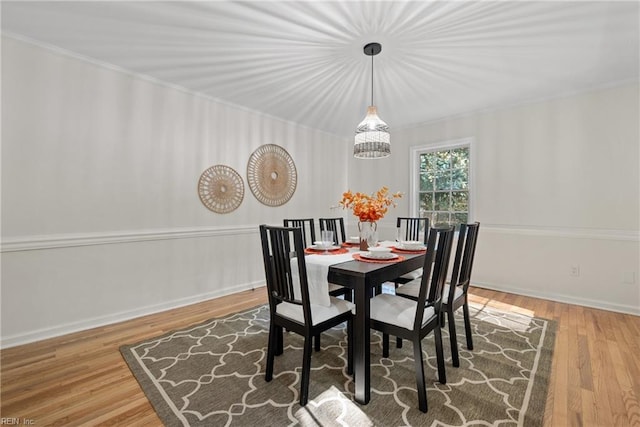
41, 334
567, 299
56, 331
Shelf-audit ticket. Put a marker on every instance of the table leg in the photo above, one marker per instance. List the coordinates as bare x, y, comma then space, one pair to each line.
362, 352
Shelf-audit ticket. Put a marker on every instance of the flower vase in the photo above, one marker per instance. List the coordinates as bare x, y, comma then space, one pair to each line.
367, 231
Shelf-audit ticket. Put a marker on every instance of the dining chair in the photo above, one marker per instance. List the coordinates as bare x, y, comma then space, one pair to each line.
308, 227
339, 236
412, 228
416, 229
413, 320
289, 304
337, 226
455, 291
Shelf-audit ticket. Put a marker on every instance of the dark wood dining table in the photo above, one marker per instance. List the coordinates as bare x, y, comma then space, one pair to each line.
363, 277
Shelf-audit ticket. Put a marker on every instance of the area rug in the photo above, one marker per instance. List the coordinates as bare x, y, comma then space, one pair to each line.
212, 374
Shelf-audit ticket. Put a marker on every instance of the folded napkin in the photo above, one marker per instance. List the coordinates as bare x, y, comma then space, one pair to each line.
317, 272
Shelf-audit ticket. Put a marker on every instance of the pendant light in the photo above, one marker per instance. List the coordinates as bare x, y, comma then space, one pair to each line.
372, 139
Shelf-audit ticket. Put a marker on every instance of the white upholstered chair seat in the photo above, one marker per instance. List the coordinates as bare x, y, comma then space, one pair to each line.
457, 293
319, 313
397, 311
413, 288
410, 289
334, 287
412, 275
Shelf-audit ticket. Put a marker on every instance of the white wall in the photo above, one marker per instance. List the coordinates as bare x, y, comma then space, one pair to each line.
101, 219
556, 184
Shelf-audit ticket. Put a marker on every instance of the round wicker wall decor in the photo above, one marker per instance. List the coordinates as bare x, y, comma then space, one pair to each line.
272, 175
221, 189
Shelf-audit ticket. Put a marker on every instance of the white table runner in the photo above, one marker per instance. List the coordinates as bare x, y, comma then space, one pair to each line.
317, 272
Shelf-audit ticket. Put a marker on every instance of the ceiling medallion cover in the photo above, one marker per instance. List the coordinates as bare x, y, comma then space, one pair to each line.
221, 189
271, 175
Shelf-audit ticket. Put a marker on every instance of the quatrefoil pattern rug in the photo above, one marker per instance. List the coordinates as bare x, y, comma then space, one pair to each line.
212, 374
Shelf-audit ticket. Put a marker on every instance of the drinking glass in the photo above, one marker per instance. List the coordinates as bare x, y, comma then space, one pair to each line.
327, 239
373, 239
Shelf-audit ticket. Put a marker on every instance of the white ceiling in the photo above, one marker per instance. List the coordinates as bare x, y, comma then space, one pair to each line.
303, 61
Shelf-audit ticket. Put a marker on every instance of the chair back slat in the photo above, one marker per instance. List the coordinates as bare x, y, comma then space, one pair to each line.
280, 245
434, 271
463, 262
308, 227
410, 228
337, 226
455, 271
469, 254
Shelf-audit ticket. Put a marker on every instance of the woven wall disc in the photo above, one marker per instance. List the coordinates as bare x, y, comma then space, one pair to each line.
272, 175
221, 189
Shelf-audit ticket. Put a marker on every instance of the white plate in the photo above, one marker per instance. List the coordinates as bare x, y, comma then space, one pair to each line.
369, 255
379, 250
322, 248
411, 247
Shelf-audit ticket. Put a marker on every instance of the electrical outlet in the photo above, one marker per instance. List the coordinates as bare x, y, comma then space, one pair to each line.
575, 271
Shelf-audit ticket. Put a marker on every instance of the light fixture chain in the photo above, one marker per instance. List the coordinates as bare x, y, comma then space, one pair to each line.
372, 80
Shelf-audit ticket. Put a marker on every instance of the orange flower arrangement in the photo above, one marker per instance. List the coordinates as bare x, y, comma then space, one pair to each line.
369, 207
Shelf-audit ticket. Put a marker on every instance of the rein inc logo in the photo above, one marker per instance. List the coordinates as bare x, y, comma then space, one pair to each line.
16, 421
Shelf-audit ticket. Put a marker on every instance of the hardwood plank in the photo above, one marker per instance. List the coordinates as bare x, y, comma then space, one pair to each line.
561, 391
81, 378
617, 382
574, 392
589, 408
584, 363
599, 367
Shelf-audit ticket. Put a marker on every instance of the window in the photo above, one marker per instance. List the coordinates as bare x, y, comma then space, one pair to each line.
441, 191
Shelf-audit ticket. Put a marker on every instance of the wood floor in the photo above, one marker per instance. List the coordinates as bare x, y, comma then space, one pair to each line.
81, 379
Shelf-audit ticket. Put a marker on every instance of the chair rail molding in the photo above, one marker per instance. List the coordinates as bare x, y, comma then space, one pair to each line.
54, 241
566, 232
540, 231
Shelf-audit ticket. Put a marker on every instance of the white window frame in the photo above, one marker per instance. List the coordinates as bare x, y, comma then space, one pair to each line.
414, 167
